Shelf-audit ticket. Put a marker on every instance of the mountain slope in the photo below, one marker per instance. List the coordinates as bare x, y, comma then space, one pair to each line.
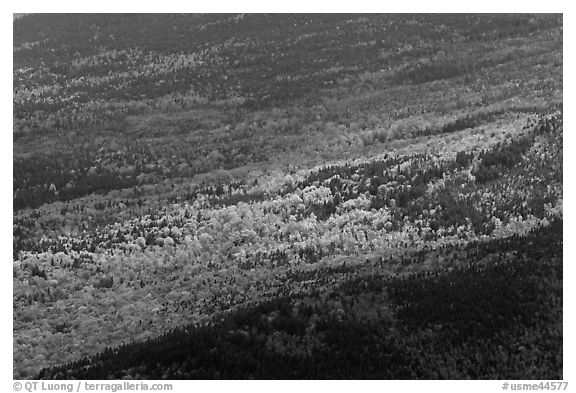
224, 194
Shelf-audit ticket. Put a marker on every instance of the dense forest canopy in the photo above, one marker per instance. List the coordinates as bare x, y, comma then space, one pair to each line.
287, 196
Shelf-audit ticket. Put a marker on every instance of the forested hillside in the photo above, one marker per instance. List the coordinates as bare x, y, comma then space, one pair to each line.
287, 196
